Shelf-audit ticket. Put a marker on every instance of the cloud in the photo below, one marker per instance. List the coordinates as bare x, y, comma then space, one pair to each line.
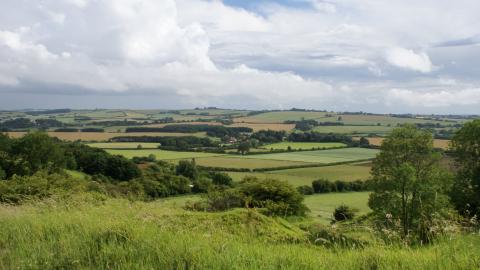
408, 59
325, 54
443, 98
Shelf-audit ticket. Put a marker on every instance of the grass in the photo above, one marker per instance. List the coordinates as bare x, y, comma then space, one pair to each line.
159, 154
305, 176
320, 156
280, 117
265, 126
323, 205
302, 145
353, 129
118, 234
124, 145
239, 162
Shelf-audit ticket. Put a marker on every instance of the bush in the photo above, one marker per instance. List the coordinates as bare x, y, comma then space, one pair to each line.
323, 186
221, 179
343, 212
278, 197
305, 190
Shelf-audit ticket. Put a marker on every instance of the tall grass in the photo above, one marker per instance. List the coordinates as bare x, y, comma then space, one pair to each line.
86, 233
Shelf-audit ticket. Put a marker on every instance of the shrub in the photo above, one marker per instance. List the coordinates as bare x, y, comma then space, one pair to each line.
343, 212
278, 197
221, 178
323, 186
305, 190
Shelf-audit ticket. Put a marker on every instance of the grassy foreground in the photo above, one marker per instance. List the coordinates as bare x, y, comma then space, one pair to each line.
88, 233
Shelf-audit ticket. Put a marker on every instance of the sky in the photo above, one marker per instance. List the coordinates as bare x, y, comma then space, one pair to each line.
396, 56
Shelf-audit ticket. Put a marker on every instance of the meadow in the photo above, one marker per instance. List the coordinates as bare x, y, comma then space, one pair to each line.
124, 145
159, 154
305, 176
353, 129
265, 126
240, 162
320, 156
302, 145
281, 116
438, 143
323, 205
91, 233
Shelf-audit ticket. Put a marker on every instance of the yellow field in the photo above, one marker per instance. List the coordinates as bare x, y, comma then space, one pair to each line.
102, 136
443, 144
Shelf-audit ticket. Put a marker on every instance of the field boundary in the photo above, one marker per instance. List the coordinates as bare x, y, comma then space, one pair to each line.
312, 165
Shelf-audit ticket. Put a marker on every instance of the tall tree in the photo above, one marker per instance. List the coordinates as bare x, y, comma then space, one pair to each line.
466, 189
409, 186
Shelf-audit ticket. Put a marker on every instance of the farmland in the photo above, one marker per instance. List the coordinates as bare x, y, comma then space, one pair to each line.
281, 116
353, 129
240, 162
305, 176
302, 145
124, 145
443, 144
159, 154
320, 156
265, 126
104, 136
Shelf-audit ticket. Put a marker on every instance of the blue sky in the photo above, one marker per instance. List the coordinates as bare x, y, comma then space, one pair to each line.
343, 55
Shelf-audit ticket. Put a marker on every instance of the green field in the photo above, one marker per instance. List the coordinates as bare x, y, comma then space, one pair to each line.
239, 162
353, 129
302, 145
305, 176
320, 156
323, 205
280, 117
160, 154
124, 145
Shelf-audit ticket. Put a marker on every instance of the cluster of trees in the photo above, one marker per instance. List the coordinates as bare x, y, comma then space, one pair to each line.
54, 111
308, 124
25, 123
269, 136
319, 137
172, 143
79, 130
211, 130
327, 186
37, 151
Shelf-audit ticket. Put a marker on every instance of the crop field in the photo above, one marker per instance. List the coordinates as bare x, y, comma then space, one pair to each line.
104, 136
443, 144
320, 156
305, 176
302, 145
280, 117
159, 154
124, 145
353, 129
265, 126
323, 205
239, 162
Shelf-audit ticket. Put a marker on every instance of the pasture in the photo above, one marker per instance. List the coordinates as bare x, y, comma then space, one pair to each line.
305, 176
265, 126
125, 145
323, 205
353, 129
240, 162
159, 154
320, 156
302, 145
281, 116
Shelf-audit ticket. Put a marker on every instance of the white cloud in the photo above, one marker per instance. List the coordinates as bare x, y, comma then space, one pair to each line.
408, 59
442, 98
337, 54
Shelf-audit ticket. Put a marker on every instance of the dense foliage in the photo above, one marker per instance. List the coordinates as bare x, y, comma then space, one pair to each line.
466, 189
211, 130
